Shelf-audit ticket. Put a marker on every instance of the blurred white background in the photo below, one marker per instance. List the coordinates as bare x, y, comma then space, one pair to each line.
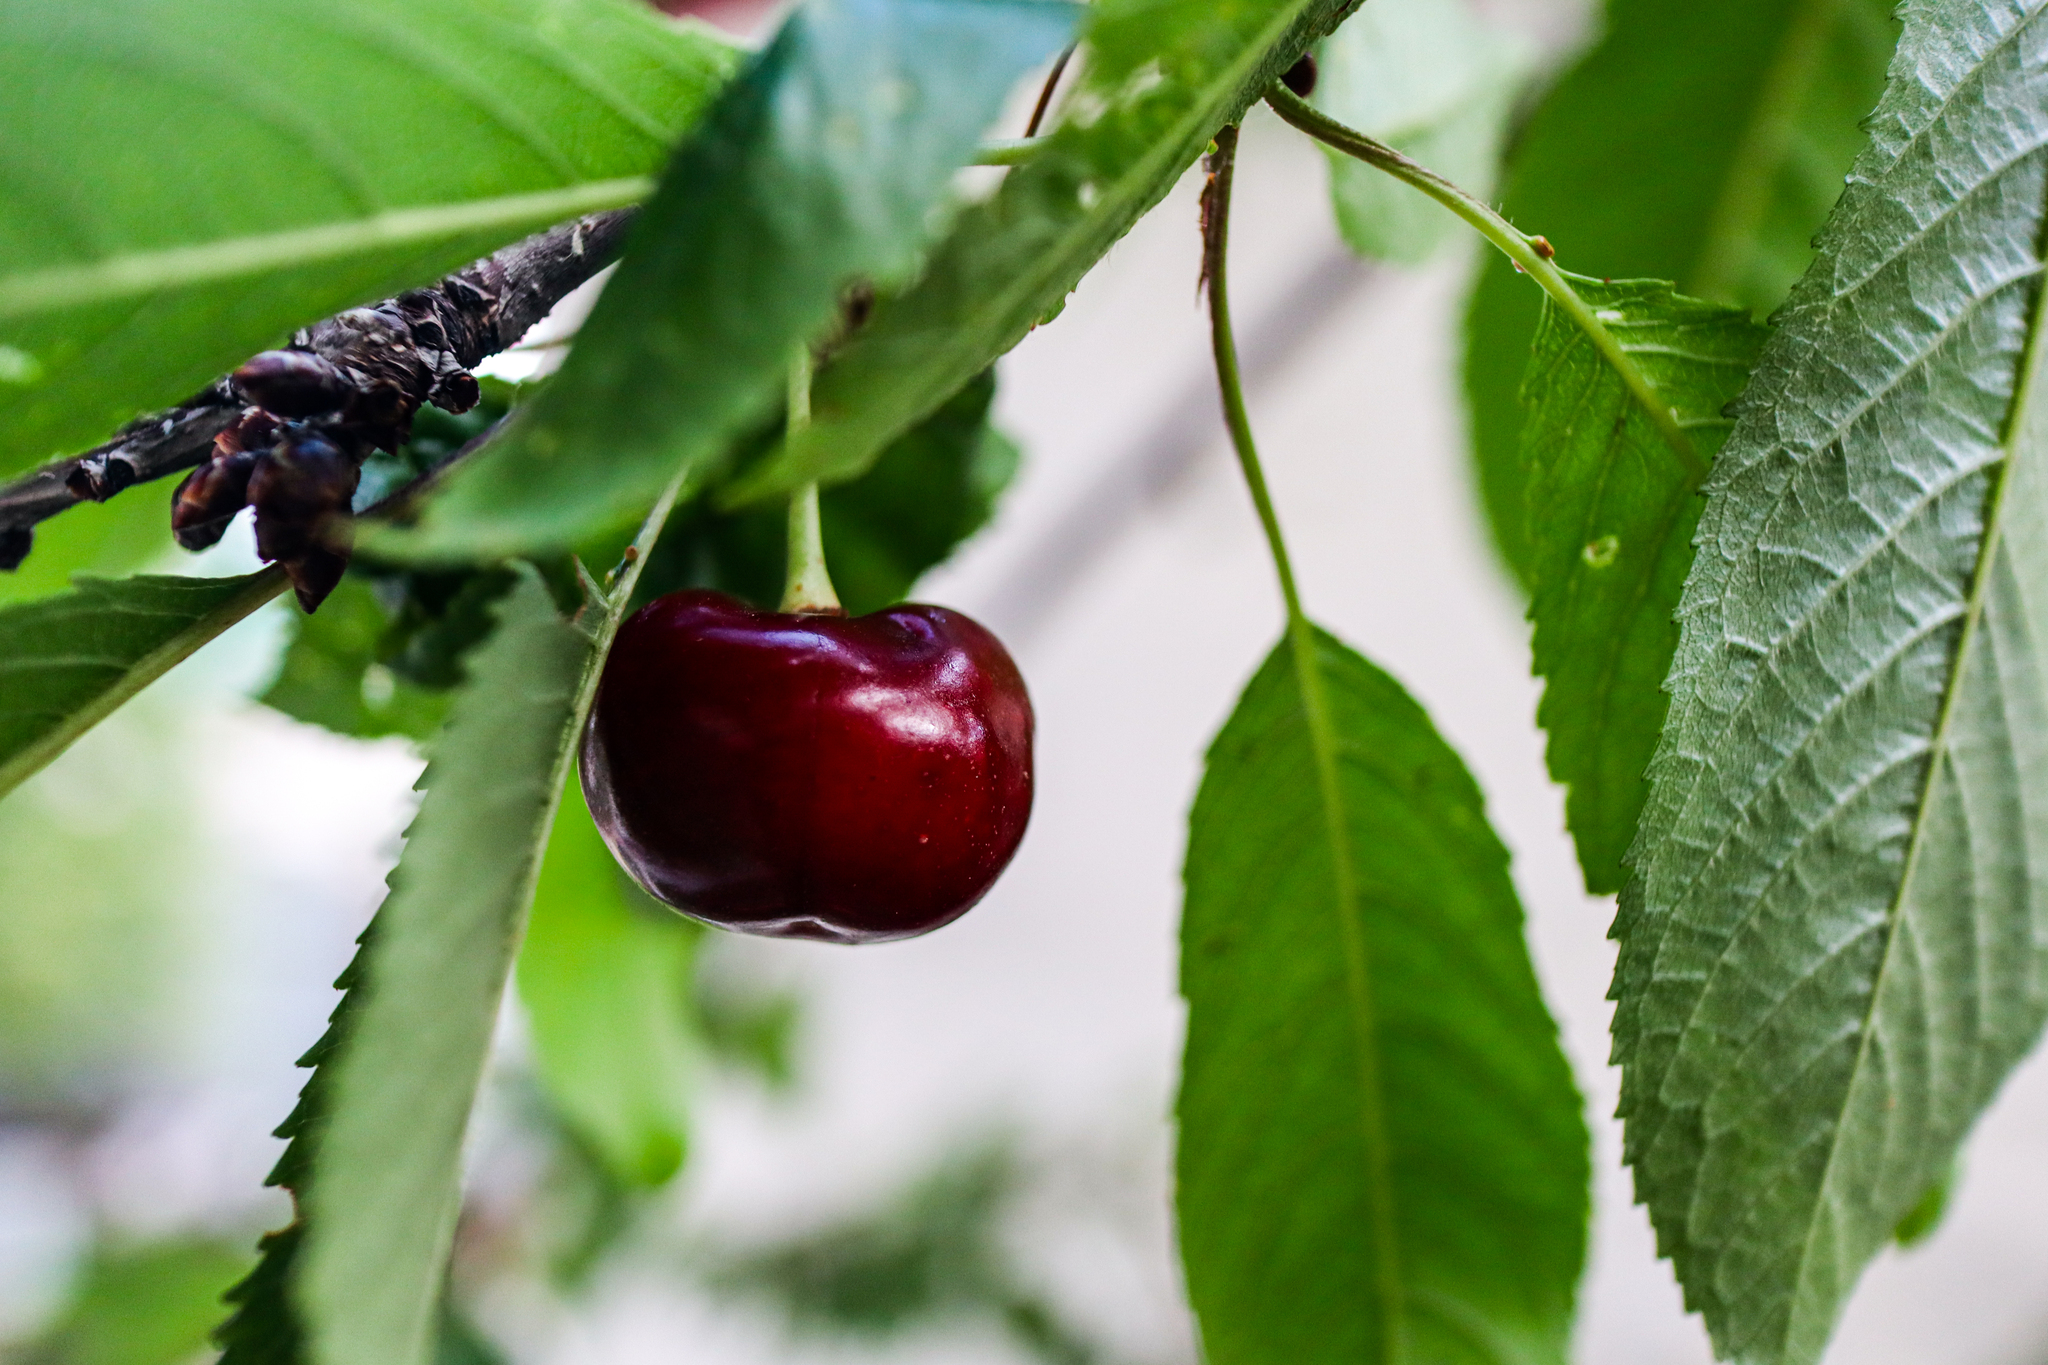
1126, 572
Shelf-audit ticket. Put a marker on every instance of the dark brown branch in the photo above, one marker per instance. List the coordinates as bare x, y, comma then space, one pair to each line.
371, 368
147, 448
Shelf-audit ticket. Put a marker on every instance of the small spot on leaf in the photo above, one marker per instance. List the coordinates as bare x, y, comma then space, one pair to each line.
1600, 553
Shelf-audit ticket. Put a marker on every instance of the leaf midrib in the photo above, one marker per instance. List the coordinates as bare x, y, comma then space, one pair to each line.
1311, 687
134, 274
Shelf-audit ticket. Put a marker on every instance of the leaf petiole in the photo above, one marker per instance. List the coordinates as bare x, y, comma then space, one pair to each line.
1531, 254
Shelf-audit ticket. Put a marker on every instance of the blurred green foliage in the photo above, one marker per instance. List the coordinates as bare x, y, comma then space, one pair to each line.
605, 977
383, 652
95, 873
1701, 144
157, 1304
146, 1305
110, 539
930, 1254
459, 1342
749, 1029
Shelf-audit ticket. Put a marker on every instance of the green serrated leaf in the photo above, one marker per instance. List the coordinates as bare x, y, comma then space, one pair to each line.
1611, 512
1696, 143
265, 1325
68, 662
190, 182
605, 976
1380, 1142
1834, 946
1011, 261
931, 1252
380, 1217
825, 162
1426, 78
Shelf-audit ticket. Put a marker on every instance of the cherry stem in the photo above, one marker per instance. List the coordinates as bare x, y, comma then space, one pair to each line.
1523, 250
807, 587
1319, 721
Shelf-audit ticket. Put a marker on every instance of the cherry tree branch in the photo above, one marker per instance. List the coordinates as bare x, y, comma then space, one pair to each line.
416, 347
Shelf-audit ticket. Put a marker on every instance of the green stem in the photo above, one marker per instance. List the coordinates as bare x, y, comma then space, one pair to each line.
1518, 247
1323, 743
807, 587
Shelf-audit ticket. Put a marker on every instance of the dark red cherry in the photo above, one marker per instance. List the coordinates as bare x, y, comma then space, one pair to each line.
855, 779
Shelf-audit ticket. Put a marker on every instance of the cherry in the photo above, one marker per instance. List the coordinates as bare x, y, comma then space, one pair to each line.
810, 776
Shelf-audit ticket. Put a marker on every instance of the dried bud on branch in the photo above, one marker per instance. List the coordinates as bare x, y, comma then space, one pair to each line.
292, 383
289, 430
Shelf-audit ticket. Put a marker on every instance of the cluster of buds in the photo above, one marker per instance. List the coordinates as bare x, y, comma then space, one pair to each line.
314, 413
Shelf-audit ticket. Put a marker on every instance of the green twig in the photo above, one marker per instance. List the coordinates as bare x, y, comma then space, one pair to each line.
1532, 254
1322, 735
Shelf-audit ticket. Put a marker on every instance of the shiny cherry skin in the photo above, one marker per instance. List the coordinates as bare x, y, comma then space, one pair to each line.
853, 779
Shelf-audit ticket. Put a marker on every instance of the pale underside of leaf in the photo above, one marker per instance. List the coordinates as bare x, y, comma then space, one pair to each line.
1833, 949
1467, 1246
381, 1217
